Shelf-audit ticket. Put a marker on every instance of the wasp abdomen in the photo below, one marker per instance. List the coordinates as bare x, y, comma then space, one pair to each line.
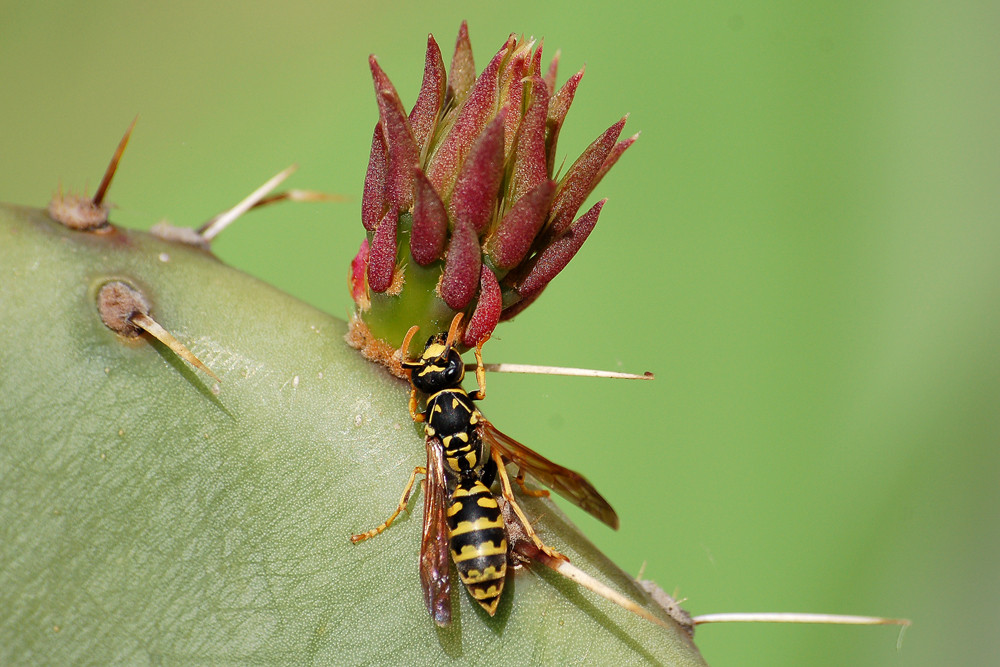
478, 541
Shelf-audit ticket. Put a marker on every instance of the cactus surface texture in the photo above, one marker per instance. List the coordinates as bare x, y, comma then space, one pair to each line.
150, 516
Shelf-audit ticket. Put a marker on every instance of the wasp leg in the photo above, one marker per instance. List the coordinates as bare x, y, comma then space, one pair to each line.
417, 416
404, 348
403, 501
508, 493
534, 493
480, 371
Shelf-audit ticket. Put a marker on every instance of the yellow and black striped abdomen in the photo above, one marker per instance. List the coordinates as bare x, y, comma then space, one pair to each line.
478, 541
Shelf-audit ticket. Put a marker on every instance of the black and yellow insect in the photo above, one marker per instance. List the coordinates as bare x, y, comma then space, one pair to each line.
466, 454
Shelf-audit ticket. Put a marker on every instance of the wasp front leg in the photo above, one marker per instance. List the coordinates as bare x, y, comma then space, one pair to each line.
417, 416
508, 494
480, 371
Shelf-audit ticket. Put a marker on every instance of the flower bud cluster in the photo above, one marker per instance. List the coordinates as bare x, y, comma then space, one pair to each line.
461, 205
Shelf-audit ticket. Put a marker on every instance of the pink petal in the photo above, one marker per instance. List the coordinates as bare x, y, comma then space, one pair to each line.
403, 154
477, 111
579, 181
475, 194
461, 267
536, 62
463, 69
550, 75
382, 254
379, 77
554, 258
530, 163
373, 199
513, 237
429, 232
487, 313
558, 108
612, 158
425, 112
359, 290
512, 90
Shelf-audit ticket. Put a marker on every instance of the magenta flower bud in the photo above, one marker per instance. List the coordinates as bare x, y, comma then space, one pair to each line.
487, 313
579, 181
373, 199
461, 207
461, 267
544, 266
517, 231
429, 233
382, 254
426, 110
475, 194
473, 115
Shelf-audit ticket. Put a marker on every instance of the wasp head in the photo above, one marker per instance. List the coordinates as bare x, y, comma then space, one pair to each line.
440, 366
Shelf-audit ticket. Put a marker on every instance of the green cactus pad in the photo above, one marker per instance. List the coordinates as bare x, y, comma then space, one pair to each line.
150, 517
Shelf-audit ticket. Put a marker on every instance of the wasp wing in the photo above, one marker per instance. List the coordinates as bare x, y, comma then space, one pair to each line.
435, 560
569, 484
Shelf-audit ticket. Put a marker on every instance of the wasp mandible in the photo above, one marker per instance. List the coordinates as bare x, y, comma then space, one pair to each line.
466, 455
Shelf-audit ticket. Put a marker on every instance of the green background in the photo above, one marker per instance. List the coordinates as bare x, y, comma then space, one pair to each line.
802, 245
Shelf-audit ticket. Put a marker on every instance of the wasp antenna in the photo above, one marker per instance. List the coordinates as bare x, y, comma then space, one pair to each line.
453, 330
406, 343
214, 227
153, 328
109, 173
561, 370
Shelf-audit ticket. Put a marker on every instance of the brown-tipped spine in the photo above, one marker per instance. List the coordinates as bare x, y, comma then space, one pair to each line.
109, 173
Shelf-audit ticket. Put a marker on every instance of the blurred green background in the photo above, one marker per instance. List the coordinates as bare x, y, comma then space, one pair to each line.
803, 246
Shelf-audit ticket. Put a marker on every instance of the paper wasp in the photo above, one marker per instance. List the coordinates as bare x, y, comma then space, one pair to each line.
466, 454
